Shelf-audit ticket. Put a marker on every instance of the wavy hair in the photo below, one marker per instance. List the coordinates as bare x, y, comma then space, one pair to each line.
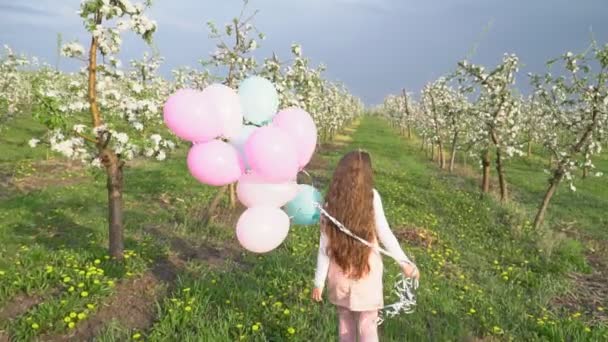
350, 201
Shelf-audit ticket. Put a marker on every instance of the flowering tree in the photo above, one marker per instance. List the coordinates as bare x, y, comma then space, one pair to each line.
124, 108
498, 111
15, 92
573, 117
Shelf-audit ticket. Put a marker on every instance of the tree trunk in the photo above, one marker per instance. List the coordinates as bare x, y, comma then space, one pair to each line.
441, 155
542, 210
585, 172
501, 176
464, 158
232, 196
208, 215
432, 151
453, 154
485, 162
409, 131
115, 184
529, 148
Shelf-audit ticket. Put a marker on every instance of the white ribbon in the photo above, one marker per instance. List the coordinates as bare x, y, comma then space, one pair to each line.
404, 287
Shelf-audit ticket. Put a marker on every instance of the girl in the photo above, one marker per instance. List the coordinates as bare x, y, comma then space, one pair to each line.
354, 271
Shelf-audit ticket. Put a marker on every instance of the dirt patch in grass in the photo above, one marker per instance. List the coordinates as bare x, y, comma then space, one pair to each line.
416, 236
589, 292
20, 304
27, 176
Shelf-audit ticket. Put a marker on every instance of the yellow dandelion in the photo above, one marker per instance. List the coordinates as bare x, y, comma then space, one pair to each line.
91, 306
35, 326
97, 262
188, 308
84, 294
136, 336
472, 311
80, 285
71, 325
291, 330
587, 329
67, 319
73, 315
497, 330
286, 312
82, 316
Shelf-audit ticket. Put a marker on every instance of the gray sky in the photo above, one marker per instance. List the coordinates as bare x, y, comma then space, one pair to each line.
375, 47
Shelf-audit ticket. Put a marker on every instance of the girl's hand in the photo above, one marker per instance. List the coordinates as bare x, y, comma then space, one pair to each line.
410, 271
317, 294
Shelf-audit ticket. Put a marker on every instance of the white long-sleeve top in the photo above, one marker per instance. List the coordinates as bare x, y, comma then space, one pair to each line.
383, 232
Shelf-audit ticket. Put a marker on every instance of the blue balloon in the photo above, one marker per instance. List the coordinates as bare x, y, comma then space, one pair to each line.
259, 99
302, 208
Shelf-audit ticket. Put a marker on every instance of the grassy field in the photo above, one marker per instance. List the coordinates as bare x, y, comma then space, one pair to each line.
485, 273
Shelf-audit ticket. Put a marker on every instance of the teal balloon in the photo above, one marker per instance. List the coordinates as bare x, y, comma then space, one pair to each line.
259, 100
302, 209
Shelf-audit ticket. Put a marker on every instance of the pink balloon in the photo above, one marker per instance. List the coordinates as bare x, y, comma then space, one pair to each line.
215, 163
224, 102
271, 154
298, 124
186, 115
252, 190
262, 229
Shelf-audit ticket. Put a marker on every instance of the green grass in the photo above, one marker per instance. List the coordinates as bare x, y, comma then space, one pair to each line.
488, 273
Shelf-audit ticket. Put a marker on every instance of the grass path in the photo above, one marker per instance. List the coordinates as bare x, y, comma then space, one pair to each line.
486, 274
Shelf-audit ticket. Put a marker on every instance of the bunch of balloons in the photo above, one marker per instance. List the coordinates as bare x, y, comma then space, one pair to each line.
240, 137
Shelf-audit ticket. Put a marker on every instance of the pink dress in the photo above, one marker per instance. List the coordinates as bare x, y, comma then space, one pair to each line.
366, 293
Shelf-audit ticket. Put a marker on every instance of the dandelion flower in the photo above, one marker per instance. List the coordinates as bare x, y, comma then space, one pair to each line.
291, 330
84, 294
71, 325
188, 308
82, 316
35, 326
73, 315
136, 336
255, 327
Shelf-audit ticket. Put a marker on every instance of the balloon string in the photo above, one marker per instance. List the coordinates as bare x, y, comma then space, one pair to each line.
312, 181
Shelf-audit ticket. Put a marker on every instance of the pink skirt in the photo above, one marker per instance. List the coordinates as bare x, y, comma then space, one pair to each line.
364, 294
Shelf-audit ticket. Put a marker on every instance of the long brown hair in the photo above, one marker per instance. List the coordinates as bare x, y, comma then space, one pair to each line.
350, 201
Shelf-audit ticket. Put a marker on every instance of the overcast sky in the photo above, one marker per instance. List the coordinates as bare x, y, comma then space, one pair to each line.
375, 47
